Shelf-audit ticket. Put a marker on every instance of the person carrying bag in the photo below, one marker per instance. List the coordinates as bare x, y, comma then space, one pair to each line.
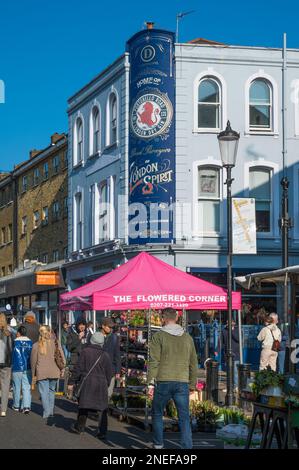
270, 337
90, 380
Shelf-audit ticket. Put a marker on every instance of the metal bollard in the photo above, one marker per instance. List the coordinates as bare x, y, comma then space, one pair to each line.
243, 375
212, 368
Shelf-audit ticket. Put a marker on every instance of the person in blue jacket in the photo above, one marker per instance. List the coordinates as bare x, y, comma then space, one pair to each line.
21, 371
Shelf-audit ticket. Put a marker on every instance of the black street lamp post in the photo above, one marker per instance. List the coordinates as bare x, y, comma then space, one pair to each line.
228, 143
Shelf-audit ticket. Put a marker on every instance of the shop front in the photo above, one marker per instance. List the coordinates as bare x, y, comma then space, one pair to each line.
28, 291
206, 326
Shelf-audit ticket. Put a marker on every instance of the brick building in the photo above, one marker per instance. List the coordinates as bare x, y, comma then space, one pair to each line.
33, 229
6, 224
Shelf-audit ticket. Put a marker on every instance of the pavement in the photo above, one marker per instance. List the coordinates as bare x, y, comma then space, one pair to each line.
20, 431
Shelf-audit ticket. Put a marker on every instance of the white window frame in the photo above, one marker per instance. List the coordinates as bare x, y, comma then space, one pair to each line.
212, 74
24, 183
108, 118
275, 105
24, 224
3, 236
274, 216
55, 166
45, 215
92, 150
75, 219
46, 173
111, 211
209, 162
77, 162
55, 252
36, 220
106, 214
10, 233
36, 176
55, 210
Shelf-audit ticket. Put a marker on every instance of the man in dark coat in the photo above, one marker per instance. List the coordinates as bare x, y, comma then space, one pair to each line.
75, 340
112, 347
235, 348
32, 327
94, 389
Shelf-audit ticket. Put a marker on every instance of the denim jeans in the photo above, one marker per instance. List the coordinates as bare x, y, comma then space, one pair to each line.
47, 389
281, 360
21, 382
179, 392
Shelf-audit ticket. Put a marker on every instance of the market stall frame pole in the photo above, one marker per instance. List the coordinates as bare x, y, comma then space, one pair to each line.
94, 320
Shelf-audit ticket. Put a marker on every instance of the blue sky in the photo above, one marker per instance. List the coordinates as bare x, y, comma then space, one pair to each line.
50, 49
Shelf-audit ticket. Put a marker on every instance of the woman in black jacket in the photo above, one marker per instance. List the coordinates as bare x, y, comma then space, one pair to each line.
94, 380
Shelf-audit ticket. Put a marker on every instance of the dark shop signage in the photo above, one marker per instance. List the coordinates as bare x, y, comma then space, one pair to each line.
151, 137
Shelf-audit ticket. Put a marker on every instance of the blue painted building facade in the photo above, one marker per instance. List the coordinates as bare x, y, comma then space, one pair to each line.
213, 83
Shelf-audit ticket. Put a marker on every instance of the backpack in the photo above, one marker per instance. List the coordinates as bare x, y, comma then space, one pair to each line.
276, 343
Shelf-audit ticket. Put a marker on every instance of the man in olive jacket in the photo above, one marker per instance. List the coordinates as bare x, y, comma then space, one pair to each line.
172, 374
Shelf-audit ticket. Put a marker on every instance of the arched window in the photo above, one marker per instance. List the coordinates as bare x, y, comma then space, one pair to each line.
260, 105
112, 119
260, 188
209, 104
95, 130
78, 141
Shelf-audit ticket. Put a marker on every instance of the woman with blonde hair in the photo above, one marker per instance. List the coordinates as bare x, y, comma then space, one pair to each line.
45, 368
6, 347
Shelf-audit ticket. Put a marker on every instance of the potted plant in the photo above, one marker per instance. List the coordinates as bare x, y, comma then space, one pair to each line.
268, 382
207, 415
268, 387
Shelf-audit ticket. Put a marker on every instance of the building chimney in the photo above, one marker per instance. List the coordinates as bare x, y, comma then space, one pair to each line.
149, 24
33, 153
56, 137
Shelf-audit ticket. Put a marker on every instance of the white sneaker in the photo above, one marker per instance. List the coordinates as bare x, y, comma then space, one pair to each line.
3, 414
158, 446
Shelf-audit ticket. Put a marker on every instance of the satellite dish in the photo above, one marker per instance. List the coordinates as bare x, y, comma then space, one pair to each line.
8, 307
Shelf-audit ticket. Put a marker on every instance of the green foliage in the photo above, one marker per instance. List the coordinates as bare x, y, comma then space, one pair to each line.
266, 378
292, 400
206, 412
233, 416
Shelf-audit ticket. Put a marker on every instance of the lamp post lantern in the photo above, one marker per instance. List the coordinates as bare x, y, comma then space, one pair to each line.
228, 144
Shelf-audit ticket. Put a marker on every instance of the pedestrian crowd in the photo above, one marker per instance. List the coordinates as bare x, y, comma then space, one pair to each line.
31, 355
90, 363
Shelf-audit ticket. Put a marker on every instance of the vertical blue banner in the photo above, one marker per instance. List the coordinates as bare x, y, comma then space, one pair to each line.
151, 137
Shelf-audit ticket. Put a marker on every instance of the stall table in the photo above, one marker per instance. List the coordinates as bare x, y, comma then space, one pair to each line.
274, 421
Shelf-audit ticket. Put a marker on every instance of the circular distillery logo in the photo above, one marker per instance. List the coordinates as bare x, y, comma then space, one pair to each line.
148, 53
151, 115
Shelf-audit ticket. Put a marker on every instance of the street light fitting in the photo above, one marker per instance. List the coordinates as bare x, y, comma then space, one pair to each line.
228, 143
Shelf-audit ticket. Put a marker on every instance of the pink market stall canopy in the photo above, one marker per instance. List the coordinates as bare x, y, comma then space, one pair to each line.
146, 282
